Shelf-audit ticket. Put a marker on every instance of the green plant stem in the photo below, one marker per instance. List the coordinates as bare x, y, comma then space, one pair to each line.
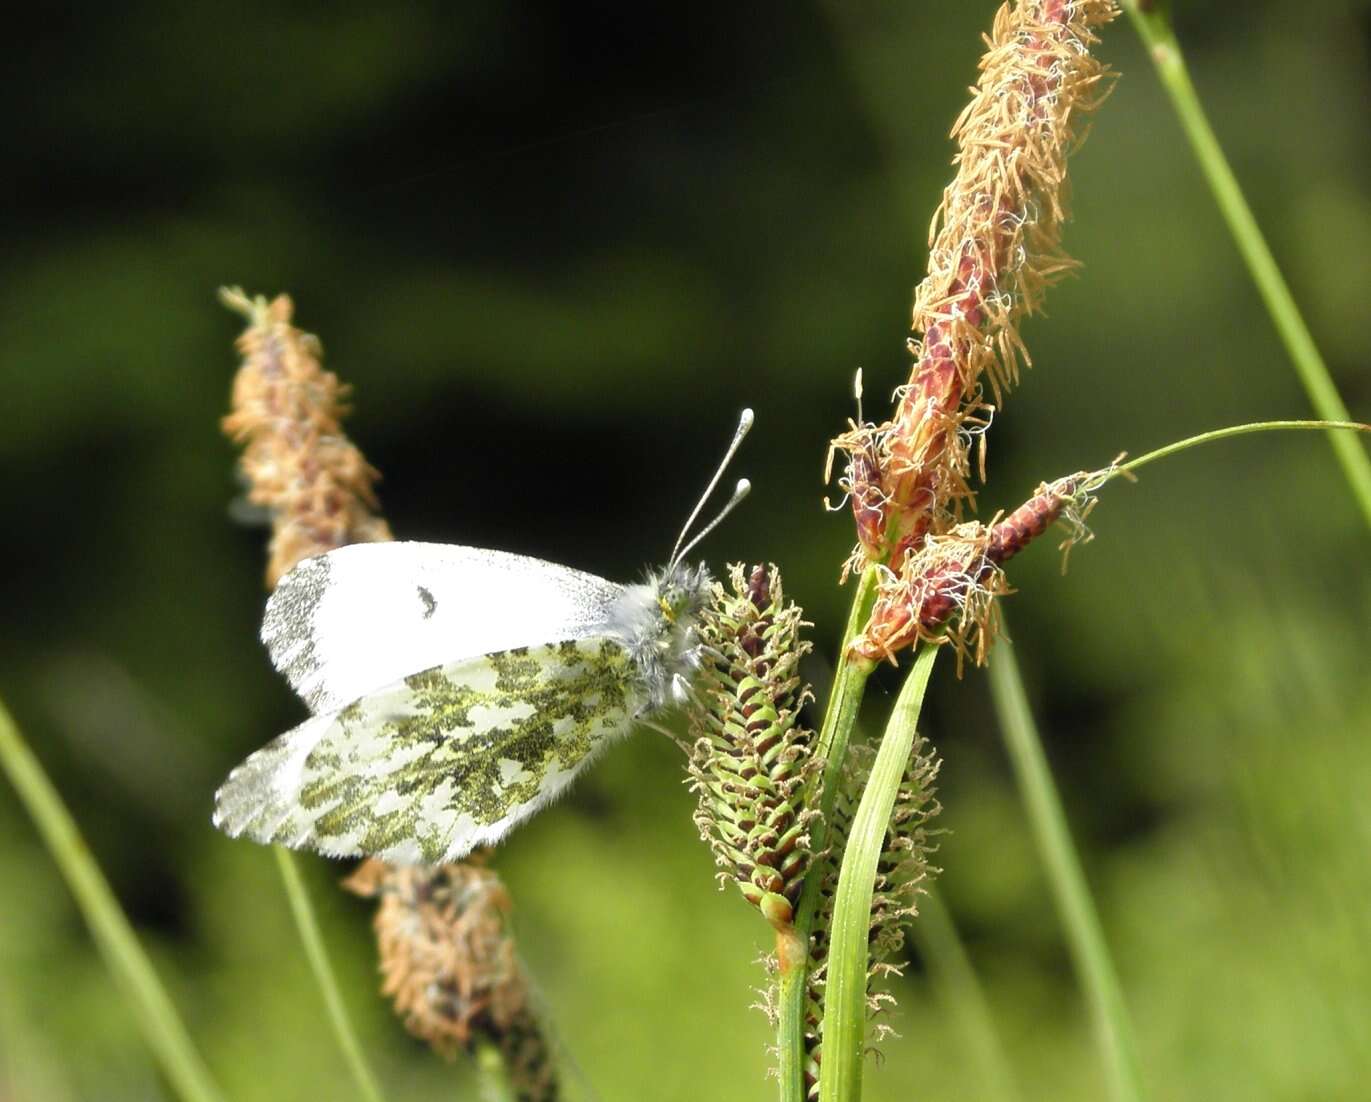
950, 967
1154, 26
1333, 427
9, 1068
845, 699
490, 1066
308, 926
156, 1015
845, 1007
840, 716
1047, 818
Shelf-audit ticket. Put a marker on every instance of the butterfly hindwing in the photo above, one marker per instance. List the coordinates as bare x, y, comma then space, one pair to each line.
361, 617
427, 768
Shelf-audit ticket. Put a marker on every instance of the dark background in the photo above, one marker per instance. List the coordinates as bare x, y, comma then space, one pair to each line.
555, 249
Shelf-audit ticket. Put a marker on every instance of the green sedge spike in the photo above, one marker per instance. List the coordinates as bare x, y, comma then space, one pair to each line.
750, 759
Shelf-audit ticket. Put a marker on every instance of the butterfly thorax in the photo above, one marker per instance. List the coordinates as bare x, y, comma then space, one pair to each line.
656, 622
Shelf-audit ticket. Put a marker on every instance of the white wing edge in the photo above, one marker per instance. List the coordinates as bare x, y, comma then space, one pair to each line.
261, 798
346, 623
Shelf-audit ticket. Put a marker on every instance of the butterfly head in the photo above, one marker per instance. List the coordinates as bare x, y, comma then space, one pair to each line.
680, 592
656, 622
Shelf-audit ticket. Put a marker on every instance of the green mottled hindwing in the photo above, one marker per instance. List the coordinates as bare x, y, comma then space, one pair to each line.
444, 760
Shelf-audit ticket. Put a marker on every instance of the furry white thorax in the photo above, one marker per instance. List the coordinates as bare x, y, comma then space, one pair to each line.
656, 622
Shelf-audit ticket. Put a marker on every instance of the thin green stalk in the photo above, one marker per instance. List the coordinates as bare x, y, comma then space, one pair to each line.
840, 714
845, 699
1085, 938
1154, 27
845, 1006
951, 969
1048, 819
9, 1044
1334, 428
490, 1066
308, 926
156, 1016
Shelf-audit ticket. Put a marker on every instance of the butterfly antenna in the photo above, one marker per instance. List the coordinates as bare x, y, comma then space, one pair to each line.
741, 491
744, 424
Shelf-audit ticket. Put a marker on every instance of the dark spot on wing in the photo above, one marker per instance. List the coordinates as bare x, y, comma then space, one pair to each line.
429, 603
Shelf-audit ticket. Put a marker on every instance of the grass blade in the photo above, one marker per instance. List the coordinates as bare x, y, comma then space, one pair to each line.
1084, 936
845, 1006
114, 937
951, 970
1154, 27
308, 926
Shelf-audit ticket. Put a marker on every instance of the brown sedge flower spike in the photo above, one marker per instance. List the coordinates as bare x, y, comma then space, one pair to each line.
287, 413
995, 247
448, 963
446, 954
947, 591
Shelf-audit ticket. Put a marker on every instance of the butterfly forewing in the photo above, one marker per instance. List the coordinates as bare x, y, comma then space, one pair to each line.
442, 761
346, 623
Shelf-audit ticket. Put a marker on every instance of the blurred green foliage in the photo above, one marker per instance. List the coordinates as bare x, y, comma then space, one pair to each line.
555, 249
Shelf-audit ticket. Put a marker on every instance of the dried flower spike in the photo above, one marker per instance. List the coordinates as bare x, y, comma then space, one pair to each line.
1067, 500
287, 412
448, 962
750, 758
447, 959
860, 484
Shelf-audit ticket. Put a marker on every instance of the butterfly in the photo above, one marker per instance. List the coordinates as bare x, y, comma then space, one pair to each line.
456, 691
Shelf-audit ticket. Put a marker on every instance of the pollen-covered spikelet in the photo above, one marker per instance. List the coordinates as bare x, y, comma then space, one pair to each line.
995, 246
298, 464
750, 759
448, 962
902, 872
946, 592
1066, 501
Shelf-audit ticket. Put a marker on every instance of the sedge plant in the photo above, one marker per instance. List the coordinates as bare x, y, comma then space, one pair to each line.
831, 837
927, 578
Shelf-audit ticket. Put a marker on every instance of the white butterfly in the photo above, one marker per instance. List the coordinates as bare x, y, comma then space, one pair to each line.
456, 690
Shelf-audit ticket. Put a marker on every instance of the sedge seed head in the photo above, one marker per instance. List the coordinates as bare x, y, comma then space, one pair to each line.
446, 954
287, 413
448, 963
